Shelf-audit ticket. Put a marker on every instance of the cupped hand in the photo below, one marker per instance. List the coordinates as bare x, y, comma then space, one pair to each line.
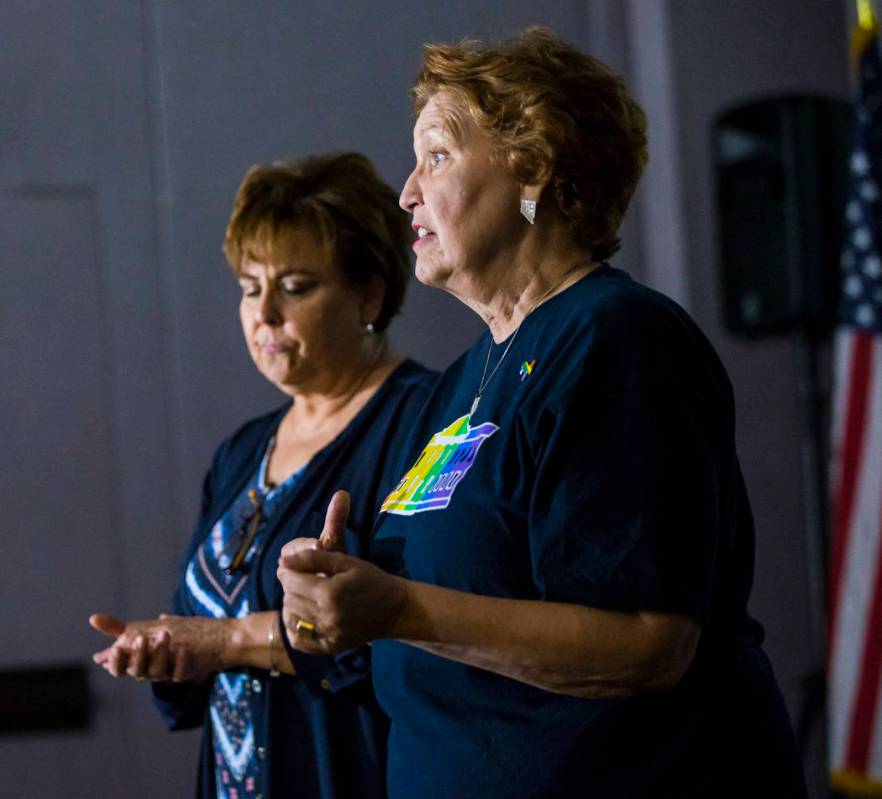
349, 600
170, 648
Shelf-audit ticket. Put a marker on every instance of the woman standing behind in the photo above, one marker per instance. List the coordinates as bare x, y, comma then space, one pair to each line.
320, 250
570, 543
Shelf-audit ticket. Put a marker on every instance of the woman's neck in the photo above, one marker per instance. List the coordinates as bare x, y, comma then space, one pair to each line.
541, 262
317, 417
341, 397
509, 299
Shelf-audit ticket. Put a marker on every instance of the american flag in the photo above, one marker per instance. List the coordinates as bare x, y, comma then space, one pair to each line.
855, 665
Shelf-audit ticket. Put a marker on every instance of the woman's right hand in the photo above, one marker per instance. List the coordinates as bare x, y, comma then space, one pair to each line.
167, 649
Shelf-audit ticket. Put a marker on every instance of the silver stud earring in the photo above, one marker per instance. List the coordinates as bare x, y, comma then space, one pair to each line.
370, 329
528, 210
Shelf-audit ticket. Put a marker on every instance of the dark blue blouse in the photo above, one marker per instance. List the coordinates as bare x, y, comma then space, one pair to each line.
321, 733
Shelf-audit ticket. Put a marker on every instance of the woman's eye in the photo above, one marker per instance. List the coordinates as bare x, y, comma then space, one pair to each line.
249, 289
437, 156
296, 289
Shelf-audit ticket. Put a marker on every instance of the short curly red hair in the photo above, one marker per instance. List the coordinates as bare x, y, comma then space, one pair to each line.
550, 111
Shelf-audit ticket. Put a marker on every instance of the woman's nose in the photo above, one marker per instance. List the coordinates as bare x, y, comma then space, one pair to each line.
411, 196
267, 312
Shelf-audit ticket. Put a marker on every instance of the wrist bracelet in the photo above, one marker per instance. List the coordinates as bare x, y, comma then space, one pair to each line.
273, 672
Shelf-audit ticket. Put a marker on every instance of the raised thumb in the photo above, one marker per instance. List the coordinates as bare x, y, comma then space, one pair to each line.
332, 538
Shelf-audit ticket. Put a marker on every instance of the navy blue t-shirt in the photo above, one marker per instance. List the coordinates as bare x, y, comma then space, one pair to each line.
599, 468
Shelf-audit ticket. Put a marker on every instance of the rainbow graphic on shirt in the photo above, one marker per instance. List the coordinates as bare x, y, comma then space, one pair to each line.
430, 482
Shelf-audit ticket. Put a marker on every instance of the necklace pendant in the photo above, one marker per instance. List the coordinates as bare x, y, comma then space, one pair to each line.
475, 402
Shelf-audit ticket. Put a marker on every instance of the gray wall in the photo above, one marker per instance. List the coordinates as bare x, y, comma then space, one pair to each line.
124, 130
723, 54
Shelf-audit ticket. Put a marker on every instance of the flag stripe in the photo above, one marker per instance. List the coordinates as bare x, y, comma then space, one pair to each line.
867, 694
874, 765
843, 342
849, 625
850, 459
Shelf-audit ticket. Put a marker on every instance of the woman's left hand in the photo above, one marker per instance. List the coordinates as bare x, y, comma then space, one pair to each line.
170, 648
348, 600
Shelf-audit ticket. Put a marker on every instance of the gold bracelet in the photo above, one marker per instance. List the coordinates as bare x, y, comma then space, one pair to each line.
274, 672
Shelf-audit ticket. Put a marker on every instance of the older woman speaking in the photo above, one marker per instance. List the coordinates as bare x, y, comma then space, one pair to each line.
567, 558
320, 249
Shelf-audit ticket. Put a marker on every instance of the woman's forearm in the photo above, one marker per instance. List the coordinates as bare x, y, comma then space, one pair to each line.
249, 643
560, 647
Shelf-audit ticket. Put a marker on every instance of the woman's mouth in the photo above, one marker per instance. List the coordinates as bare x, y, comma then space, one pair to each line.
272, 347
423, 233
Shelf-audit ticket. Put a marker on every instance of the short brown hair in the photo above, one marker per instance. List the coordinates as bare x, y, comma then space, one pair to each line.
550, 110
341, 198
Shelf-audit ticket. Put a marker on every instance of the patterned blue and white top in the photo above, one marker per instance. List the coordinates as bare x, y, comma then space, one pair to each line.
217, 590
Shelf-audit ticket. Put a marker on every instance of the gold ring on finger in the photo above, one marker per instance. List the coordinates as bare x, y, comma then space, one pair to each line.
307, 627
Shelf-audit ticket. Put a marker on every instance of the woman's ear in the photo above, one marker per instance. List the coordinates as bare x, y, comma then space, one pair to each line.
372, 301
531, 194
533, 191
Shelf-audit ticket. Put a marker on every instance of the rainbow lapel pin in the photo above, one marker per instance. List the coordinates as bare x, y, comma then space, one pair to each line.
527, 369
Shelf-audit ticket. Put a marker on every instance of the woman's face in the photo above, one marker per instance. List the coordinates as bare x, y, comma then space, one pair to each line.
302, 322
465, 204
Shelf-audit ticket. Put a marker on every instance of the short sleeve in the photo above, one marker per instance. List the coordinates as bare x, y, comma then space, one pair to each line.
624, 507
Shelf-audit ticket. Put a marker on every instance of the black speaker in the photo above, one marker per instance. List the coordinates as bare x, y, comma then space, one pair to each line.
782, 176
